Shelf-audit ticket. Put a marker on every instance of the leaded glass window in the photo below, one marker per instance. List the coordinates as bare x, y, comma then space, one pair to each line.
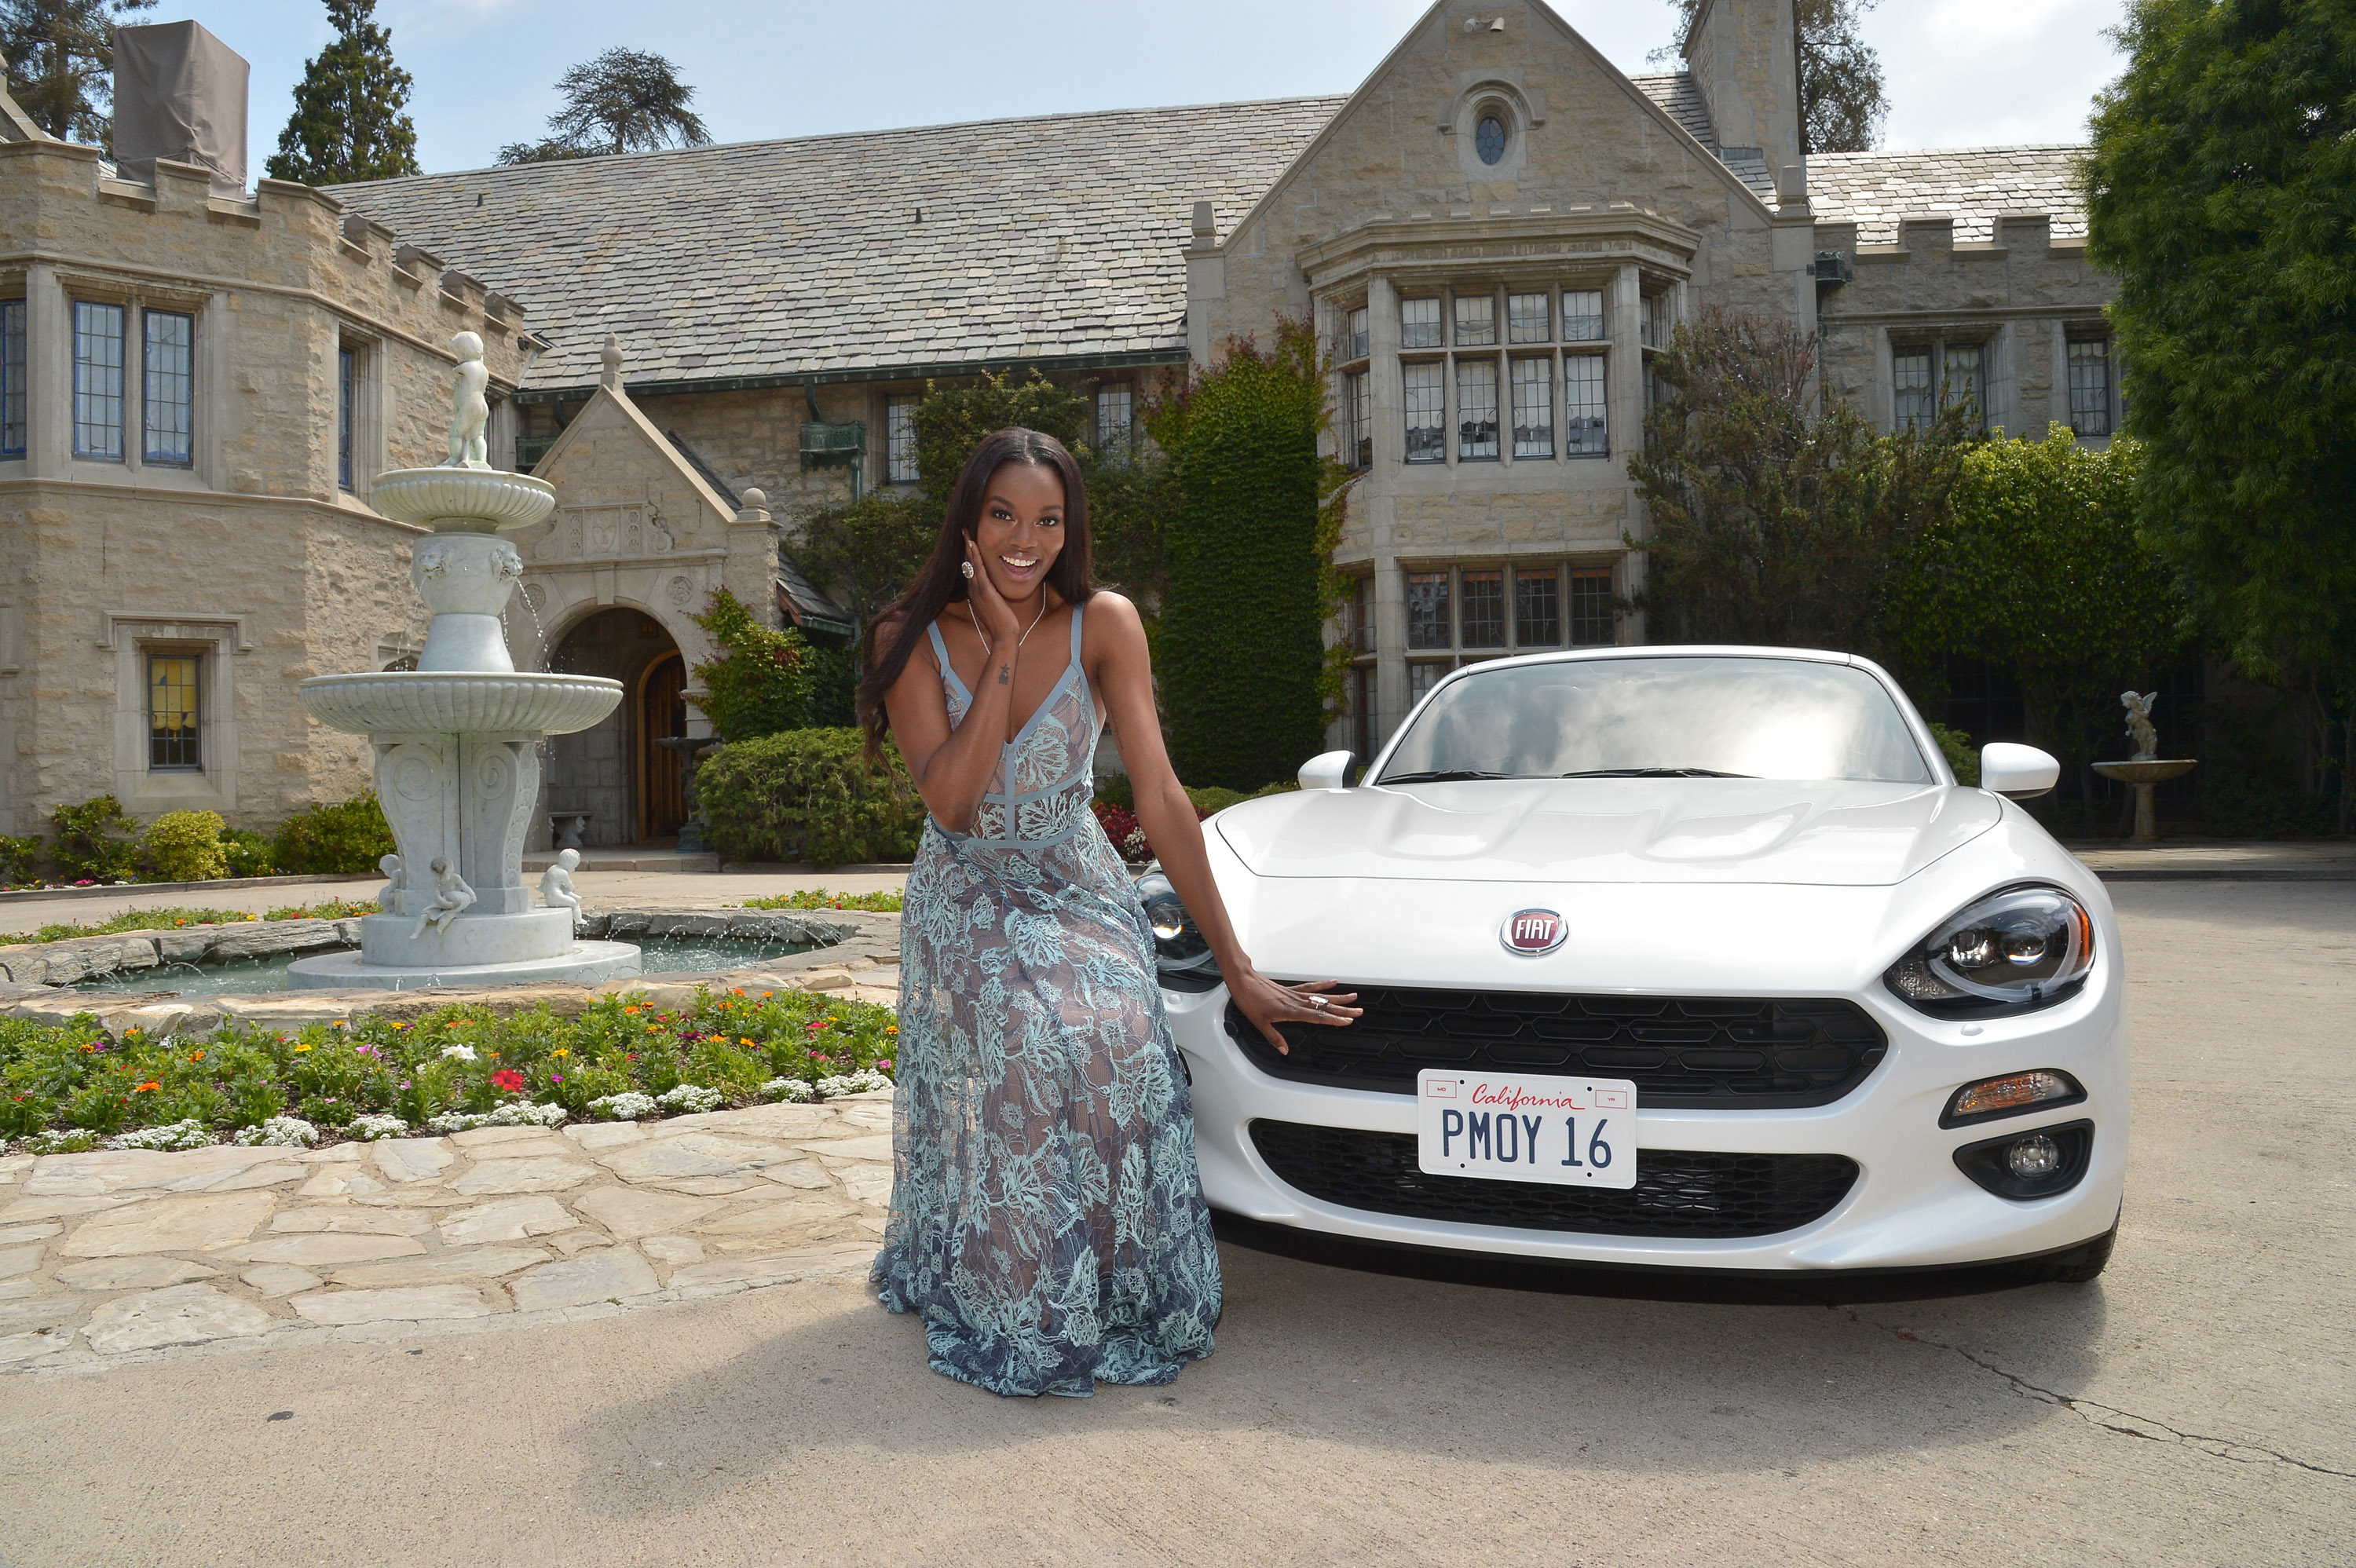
1357, 422
1362, 615
1656, 327
173, 712
1534, 408
1485, 609
1582, 316
1537, 609
1489, 139
1116, 418
1354, 334
1427, 609
1421, 678
12, 378
1427, 411
1419, 323
1476, 321
98, 380
1476, 408
1526, 318
346, 395
1583, 433
900, 439
2090, 386
168, 367
1591, 621
1965, 373
1911, 396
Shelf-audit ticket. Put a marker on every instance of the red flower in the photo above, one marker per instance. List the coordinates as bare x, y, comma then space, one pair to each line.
509, 1080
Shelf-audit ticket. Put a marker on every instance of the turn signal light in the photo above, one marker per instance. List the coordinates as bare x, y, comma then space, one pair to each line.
2010, 1095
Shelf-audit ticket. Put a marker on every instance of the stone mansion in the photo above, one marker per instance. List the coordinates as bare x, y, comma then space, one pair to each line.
1492, 234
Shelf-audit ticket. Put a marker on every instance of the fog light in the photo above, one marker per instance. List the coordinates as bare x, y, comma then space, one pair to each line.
2034, 1157
2023, 1166
2038, 1090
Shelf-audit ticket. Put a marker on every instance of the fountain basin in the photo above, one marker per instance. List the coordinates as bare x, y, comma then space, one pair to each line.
463, 500
580, 963
451, 703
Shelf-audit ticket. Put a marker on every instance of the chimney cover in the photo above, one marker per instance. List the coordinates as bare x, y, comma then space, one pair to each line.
179, 94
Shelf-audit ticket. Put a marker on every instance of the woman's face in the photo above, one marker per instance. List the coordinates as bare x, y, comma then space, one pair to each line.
1021, 528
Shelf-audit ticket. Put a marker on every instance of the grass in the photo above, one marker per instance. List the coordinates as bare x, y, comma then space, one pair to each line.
73, 1078
885, 903
171, 918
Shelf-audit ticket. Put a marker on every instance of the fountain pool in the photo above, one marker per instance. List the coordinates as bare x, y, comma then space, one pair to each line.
659, 955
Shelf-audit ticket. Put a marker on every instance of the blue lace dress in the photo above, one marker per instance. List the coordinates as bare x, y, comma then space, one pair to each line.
1048, 1222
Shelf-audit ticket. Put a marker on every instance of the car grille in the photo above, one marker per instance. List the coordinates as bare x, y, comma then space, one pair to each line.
1677, 1192
1684, 1054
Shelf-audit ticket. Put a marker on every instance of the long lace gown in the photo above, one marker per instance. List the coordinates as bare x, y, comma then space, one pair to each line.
1048, 1222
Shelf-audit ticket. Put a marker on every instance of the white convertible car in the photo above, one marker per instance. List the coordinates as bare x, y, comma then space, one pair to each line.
1683, 957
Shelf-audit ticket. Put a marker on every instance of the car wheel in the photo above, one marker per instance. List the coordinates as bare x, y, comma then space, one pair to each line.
2084, 1263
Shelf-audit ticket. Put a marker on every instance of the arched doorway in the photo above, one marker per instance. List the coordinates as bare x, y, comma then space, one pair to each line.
613, 771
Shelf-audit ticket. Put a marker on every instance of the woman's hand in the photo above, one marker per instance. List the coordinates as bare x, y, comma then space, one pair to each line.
992, 613
1268, 1004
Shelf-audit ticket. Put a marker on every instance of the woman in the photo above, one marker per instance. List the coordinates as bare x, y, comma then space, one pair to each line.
1048, 1222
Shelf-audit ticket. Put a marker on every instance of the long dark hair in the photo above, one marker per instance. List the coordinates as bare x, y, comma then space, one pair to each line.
893, 637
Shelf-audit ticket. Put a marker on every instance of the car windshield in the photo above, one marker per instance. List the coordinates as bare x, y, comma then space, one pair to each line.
1662, 718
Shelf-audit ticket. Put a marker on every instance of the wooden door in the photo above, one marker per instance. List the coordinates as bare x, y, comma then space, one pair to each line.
662, 712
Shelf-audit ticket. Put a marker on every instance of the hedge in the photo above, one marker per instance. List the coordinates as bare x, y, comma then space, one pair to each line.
809, 794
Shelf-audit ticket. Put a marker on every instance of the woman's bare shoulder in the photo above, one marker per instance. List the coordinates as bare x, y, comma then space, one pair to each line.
1114, 610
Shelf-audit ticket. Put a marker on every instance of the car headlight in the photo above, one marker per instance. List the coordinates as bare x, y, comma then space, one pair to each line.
1181, 951
2011, 952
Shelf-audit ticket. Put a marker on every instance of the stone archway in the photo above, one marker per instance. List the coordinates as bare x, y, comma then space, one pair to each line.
614, 771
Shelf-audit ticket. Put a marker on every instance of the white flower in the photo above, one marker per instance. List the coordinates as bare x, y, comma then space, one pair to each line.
525, 1113
458, 1053
793, 1090
626, 1106
191, 1134
864, 1082
369, 1128
691, 1097
69, 1140
280, 1132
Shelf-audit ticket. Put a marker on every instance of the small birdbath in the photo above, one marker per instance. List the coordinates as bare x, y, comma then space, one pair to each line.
2146, 775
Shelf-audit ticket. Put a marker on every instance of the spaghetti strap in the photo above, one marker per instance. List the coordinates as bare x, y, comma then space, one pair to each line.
948, 671
1076, 608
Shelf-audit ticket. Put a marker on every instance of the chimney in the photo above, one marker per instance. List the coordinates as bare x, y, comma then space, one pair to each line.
179, 95
1744, 56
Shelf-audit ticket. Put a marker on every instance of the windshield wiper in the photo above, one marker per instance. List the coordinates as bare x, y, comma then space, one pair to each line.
1654, 773
1446, 775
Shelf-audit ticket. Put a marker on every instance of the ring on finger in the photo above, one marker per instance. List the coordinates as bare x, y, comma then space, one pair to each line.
1320, 1003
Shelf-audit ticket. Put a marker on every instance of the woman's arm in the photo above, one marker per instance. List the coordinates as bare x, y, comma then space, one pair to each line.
1123, 672
952, 766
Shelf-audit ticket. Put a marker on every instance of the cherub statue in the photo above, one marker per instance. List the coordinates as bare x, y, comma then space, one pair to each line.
450, 897
556, 884
2147, 738
388, 901
470, 410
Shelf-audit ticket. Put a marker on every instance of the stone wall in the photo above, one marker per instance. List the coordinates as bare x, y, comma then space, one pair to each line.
250, 556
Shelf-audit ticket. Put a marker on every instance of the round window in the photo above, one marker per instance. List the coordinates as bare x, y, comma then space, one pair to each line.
1489, 139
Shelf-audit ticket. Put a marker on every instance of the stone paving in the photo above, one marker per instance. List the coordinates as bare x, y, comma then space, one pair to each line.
105, 1256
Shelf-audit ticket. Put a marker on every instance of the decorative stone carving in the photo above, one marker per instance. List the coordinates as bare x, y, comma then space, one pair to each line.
470, 409
2139, 728
556, 885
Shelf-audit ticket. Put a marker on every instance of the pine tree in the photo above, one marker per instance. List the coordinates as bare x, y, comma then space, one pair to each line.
61, 63
623, 102
349, 121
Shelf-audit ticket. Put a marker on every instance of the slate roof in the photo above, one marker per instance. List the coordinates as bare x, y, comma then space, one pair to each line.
1970, 184
1048, 238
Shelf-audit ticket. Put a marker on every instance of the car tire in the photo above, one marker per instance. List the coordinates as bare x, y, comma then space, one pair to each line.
2083, 1263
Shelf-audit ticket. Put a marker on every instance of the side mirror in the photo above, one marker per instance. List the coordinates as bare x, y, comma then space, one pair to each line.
2022, 772
1327, 769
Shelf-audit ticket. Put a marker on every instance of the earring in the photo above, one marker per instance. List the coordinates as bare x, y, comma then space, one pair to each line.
966, 566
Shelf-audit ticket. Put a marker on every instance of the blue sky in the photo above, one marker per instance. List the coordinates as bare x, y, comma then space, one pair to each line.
1961, 73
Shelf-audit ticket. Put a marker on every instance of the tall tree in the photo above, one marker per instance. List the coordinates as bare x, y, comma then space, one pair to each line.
1775, 520
622, 101
61, 63
349, 122
1842, 105
2221, 192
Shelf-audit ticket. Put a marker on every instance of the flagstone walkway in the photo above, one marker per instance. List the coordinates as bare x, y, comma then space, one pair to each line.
113, 1256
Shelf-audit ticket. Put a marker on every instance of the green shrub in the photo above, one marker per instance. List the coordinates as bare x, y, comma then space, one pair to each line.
184, 846
18, 856
809, 794
250, 854
1116, 788
350, 836
1957, 746
96, 839
761, 683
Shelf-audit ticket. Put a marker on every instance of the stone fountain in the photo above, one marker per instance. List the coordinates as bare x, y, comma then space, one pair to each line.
457, 741
2146, 770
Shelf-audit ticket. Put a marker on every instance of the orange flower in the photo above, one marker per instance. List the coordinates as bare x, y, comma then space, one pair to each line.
736, 991
151, 1083
306, 1046
551, 1053
629, 1010
745, 1039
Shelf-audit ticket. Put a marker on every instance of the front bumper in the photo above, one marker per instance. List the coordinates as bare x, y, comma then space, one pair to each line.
1910, 1206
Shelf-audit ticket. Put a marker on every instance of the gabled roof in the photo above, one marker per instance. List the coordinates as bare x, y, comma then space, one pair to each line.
1009, 240
1972, 185
1676, 92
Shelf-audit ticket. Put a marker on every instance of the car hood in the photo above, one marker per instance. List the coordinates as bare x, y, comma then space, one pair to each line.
1610, 830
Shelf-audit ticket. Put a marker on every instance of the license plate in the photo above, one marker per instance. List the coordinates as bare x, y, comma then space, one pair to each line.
1572, 1132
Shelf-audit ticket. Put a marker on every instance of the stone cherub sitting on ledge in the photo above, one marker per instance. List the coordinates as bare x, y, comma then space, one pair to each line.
450, 898
556, 884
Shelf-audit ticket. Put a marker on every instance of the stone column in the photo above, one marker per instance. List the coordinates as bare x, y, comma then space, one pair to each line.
48, 380
1625, 381
1386, 398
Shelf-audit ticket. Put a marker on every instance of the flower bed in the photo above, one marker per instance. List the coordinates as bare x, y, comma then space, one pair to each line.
72, 1085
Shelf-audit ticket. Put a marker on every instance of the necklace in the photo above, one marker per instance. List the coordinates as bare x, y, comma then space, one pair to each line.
987, 650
